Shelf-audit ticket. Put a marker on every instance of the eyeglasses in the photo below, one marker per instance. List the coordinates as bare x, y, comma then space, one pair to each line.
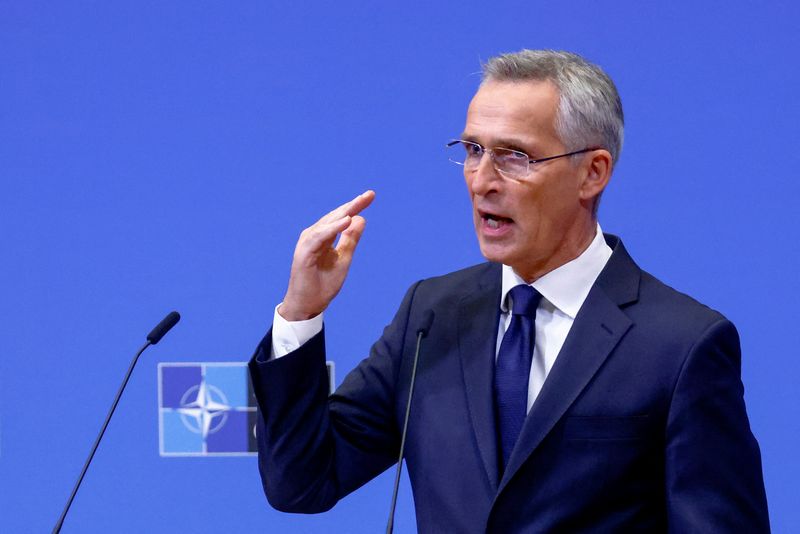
507, 162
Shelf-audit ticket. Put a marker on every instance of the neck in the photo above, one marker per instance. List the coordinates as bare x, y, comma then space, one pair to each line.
573, 245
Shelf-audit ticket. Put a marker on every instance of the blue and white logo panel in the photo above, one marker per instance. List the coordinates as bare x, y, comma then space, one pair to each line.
206, 409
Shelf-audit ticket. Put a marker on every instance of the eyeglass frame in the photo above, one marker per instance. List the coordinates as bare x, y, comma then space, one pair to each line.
491, 153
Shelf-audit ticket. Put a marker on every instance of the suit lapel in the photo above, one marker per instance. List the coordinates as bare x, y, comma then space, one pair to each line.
598, 327
478, 316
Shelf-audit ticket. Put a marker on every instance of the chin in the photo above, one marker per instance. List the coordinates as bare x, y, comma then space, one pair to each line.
493, 253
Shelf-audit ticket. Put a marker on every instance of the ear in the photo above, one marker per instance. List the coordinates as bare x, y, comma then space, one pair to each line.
596, 176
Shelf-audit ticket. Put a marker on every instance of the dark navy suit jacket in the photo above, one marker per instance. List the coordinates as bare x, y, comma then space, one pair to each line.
640, 425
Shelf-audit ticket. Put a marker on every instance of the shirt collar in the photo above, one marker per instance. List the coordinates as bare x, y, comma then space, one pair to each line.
567, 286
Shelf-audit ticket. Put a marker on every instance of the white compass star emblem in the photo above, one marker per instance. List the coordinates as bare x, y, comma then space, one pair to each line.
207, 412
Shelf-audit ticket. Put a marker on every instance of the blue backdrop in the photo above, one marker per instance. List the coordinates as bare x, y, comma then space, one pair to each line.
160, 155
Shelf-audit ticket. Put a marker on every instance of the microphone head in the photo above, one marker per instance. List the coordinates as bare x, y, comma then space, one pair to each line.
425, 323
163, 327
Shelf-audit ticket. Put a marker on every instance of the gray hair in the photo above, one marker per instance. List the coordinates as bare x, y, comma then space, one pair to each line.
589, 109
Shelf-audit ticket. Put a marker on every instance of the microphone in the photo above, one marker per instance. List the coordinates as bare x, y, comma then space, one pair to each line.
422, 331
153, 337
163, 327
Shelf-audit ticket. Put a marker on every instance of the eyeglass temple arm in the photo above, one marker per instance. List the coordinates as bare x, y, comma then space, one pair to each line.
562, 155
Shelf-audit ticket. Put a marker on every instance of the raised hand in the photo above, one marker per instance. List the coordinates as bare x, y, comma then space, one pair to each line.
318, 268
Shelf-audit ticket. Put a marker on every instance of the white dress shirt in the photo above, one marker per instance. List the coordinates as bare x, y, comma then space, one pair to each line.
563, 290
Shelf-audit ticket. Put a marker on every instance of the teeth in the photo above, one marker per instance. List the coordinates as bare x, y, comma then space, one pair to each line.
492, 223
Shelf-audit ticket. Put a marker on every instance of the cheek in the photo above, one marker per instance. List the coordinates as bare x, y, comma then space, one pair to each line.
469, 182
547, 206
530, 210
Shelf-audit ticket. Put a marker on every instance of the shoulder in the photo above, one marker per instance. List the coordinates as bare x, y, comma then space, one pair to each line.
675, 321
675, 305
462, 282
649, 302
448, 290
480, 273
634, 288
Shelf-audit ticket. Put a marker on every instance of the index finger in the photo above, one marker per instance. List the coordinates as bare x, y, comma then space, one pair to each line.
353, 207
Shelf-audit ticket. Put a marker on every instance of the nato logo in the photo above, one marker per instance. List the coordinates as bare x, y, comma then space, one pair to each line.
206, 409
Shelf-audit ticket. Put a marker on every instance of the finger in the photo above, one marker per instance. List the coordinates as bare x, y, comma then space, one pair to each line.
350, 237
353, 207
361, 202
321, 236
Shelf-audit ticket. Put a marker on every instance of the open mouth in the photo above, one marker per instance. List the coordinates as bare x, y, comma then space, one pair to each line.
493, 220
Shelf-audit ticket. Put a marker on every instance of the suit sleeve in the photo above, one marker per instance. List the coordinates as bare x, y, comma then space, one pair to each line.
314, 449
713, 464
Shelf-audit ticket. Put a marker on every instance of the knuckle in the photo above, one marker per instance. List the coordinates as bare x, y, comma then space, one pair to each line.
311, 233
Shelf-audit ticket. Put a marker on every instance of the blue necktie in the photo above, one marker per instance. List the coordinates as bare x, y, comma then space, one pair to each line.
513, 368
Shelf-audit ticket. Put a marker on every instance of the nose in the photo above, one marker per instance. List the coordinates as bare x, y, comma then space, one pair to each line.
485, 178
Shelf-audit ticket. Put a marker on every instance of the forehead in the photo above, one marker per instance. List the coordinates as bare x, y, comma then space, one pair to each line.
523, 111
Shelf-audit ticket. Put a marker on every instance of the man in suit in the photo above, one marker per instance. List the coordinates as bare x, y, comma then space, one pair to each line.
561, 389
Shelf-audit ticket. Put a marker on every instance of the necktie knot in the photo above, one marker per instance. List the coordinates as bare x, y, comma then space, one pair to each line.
524, 300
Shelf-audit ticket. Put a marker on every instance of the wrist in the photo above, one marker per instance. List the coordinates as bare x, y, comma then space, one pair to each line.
292, 313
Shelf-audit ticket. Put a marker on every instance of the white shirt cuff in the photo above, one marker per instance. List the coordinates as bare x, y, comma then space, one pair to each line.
288, 336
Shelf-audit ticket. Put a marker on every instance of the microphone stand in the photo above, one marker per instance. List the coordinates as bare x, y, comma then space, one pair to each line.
57, 528
427, 320
153, 337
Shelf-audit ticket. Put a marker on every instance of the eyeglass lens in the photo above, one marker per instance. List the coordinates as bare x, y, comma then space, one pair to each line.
506, 161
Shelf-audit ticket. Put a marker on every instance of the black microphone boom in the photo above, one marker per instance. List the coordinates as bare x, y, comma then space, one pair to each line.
163, 327
422, 331
153, 337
